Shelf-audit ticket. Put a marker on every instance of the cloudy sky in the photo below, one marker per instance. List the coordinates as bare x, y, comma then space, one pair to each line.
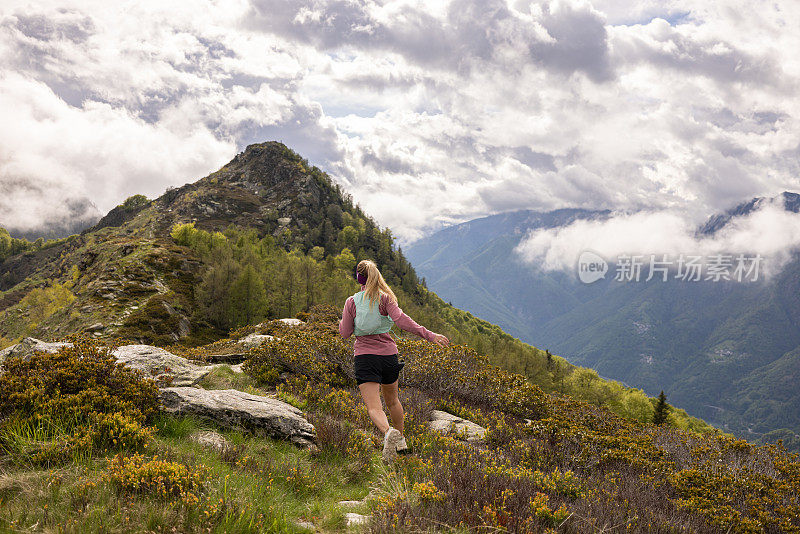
428, 112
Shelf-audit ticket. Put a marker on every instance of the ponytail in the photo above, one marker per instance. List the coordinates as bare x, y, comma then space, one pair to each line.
375, 285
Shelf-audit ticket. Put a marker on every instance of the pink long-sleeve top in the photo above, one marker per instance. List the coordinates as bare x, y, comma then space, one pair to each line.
380, 343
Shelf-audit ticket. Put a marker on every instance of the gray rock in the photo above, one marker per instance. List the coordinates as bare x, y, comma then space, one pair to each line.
233, 408
255, 340
25, 348
305, 524
350, 504
445, 422
159, 364
229, 358
356, 519
212, 440
95, 327
291, 321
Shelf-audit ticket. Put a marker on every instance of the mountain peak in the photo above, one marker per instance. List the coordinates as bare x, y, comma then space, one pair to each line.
790, 201
268, 187
270, 163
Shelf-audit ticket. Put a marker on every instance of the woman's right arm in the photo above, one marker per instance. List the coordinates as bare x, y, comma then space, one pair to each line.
347, 324
409, 325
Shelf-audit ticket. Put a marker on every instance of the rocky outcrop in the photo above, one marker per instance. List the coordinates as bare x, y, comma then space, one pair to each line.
160, 364
25, 348
445, 422
236, 409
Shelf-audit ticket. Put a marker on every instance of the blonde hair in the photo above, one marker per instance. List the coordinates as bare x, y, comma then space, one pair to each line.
375, 285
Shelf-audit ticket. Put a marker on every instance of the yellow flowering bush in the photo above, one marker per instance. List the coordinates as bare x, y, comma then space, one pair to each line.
428, 492
163, 479
55, 405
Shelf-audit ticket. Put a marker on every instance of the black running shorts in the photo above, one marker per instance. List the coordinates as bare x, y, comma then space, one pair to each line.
382, 368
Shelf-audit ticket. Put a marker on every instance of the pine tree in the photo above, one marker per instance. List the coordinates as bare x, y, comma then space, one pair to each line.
662, 410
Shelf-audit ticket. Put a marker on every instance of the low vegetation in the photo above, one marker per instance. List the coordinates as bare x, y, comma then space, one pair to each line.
85, 449
549, 461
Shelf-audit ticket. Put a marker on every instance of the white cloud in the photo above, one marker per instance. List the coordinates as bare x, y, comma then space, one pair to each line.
64, 154
770, 231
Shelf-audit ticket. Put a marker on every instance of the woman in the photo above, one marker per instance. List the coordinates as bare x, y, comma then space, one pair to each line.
369, 315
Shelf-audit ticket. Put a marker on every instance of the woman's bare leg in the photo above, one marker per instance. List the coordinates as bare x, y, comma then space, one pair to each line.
372, 398
391, 397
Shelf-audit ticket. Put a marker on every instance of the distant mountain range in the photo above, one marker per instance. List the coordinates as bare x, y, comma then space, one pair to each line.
726, 352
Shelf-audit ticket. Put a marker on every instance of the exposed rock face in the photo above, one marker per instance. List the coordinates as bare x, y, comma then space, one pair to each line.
444, 422
159, 364
25, 348
292, 321
233, 408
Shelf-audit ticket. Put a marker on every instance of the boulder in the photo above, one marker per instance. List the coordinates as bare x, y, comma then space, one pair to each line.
159, 364
229, 357
25, 348
356, 519
211, 440
306, 525
445, 422
255, 340
291, 321
239, 351
232, 408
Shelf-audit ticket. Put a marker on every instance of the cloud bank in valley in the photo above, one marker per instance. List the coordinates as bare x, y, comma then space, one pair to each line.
453, 109
769, 231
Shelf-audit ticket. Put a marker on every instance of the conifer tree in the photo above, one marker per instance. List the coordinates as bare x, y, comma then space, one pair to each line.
662, 410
